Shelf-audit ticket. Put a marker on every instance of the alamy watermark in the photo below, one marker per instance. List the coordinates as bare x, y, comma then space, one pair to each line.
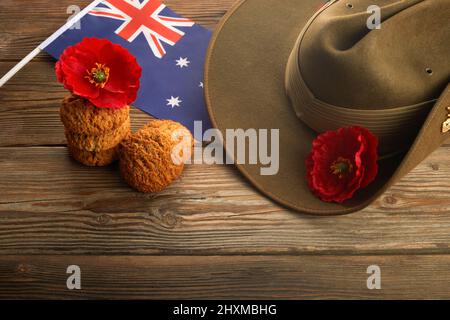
73, 10
74, 280
374, 280
374, 20
250, 146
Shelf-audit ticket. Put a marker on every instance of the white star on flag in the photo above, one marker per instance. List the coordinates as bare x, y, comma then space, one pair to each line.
183, 62
174, 102
201, 85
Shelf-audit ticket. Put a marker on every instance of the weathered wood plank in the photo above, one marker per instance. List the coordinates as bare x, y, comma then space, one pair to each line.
23, 26
50, 204
214, 277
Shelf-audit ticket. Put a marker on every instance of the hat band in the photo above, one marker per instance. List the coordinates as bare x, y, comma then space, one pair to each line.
394, 127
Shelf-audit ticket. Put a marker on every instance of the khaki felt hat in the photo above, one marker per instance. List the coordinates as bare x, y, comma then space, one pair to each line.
304, 68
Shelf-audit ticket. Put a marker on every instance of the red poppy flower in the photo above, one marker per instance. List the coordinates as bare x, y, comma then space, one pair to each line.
104, 73
341, 162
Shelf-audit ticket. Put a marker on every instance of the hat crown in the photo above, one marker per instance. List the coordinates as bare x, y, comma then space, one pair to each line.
345, 63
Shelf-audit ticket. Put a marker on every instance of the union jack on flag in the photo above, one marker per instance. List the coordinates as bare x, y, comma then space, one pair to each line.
170, 49
144, 18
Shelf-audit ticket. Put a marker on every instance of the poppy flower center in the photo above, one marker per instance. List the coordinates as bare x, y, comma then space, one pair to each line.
98, 75
341, 167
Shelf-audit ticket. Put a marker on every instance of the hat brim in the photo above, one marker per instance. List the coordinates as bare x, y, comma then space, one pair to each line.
244, 88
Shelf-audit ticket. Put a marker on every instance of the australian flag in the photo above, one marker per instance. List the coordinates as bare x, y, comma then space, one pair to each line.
170, 49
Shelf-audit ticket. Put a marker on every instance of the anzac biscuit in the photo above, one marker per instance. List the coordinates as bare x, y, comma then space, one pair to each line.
94, 159
80, 116
146, 161
101, 142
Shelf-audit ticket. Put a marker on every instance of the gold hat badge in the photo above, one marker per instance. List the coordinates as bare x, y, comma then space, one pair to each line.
446, 124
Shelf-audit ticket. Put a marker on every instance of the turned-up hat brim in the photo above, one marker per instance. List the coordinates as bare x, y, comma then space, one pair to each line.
245, 88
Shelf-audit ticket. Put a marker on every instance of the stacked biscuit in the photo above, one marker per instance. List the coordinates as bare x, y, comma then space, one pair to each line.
153, 157
150, 160
94, 134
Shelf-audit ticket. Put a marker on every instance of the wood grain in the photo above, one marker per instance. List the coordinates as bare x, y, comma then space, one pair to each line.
51, 204
237, 277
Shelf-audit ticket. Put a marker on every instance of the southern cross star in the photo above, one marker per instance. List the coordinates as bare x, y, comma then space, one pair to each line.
174, 102
183, 62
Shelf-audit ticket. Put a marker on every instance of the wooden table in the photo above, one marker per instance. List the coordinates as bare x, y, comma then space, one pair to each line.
211, 235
